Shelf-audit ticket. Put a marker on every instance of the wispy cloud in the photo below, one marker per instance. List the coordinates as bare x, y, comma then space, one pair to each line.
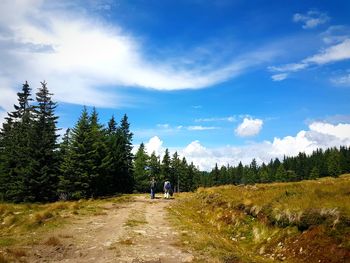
217, 119
249, 127
343, 80
335, 53
311, 19
85, 60
279, 77
201, 128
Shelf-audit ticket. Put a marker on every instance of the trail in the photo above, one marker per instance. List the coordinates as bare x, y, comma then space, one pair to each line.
135, 232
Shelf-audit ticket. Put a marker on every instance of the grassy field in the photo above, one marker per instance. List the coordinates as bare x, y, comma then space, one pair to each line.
25, 224
305, 221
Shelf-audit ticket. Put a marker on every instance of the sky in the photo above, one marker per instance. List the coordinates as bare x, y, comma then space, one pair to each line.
217, 81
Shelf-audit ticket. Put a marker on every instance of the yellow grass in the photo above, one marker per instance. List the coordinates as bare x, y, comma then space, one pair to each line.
25, 224
253, 223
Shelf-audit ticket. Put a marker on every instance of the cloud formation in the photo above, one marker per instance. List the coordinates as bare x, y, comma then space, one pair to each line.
249, 127
318, 135
311, 19
343, 80
85, 60
335, 53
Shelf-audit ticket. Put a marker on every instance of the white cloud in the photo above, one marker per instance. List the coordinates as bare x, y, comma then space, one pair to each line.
331, 54
279, 77
78, 55
249, 127
154, 145
201, 128
318, 135
311, 19
217, 119
334, 53
341, 80
164, 126
335, 34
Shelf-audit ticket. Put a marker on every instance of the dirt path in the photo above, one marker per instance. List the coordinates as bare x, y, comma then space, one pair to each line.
134, 232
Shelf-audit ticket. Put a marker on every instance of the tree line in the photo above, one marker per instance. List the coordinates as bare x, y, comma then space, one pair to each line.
90, 161
321, 163
93, 160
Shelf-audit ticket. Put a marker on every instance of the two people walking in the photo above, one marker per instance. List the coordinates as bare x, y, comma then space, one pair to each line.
168, 191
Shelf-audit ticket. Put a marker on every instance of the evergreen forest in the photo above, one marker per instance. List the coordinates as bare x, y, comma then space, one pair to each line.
95, 160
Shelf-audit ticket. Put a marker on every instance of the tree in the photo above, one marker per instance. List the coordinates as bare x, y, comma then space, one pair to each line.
127, 156
141, 175
16, 153
165, 167
44, 177
281, 174
155, 170
175, 171
75, 181
333, 162
315, 173
215, 175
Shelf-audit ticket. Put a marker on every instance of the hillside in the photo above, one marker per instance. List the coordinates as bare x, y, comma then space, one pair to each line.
306, 221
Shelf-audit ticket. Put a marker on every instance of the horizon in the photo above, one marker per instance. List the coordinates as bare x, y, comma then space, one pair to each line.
217, 81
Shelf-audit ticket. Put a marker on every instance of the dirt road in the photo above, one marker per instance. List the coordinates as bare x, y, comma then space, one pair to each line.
135, 232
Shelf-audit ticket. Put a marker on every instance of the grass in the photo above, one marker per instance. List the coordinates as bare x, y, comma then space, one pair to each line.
26, 224
136, 218
265, 222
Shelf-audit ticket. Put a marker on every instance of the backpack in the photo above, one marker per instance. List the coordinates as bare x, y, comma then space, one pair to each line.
167, 185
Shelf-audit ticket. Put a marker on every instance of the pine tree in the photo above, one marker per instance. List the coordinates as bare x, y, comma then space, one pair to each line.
141, 175
44, 180
315, 173
113, 162
127, 158
165, 167
16, 152
99, 152
281, 174
175, 173
155, 170
215, 175
75, 181
333, 162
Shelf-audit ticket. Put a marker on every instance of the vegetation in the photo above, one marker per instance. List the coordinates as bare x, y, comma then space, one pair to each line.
26, 224
331, 162
90, 161
292, 222
93, 160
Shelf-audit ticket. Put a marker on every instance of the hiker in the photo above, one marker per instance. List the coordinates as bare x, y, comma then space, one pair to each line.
153, 187
167, 189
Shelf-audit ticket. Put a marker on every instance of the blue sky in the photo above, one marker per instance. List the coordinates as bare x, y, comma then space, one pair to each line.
217, 81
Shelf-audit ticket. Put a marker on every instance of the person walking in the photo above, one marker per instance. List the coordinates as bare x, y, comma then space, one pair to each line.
167, 189
153, 187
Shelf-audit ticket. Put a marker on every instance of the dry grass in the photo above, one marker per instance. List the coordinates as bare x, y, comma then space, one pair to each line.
259, 222
25, 224
136, 218
53, 241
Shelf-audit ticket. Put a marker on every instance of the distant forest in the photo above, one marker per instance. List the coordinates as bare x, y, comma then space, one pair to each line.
94, 160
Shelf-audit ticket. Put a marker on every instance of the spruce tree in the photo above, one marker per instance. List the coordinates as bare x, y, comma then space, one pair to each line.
99, 152
16, 152
165, 167
155, 170
75, 181
44, 180
141, 177
127, 156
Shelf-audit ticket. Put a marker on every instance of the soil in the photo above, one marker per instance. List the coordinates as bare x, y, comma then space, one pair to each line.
136, 232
